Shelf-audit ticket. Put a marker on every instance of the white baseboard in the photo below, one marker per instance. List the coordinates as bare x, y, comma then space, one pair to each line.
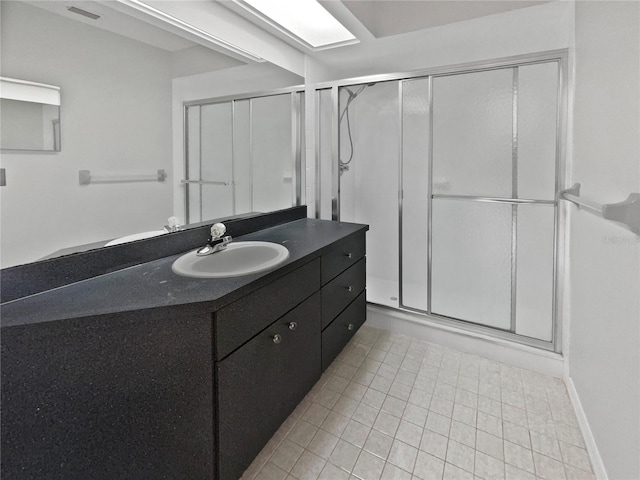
421, 327
590, 442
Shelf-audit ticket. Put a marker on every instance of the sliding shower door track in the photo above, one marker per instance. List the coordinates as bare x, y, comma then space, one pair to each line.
477, 328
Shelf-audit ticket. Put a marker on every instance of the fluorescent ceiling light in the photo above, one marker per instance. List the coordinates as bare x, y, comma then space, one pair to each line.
306, 21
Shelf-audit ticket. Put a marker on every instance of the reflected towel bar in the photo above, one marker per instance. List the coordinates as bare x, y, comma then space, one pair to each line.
85, 178
207, 182
626, 212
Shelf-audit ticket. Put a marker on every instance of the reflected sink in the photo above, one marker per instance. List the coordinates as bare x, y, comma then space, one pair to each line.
135, 236
239, 258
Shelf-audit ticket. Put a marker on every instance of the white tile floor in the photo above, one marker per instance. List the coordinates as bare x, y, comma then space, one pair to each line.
394, 408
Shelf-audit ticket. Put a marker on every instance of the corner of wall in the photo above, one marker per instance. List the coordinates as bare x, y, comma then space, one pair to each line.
589, 440
601, 283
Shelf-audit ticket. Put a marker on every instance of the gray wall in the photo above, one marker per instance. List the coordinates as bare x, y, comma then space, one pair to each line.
605, 258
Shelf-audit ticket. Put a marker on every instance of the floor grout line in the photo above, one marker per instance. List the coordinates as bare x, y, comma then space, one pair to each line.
453, 369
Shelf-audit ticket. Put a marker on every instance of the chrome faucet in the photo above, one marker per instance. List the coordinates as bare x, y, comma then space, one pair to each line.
173, 225
216, 240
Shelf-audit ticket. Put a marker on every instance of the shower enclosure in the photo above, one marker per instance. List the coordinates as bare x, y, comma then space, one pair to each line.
243, 154
457, 172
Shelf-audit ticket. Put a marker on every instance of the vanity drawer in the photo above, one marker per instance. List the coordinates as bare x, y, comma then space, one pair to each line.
342, 329
342, 257
341, 291
243, 319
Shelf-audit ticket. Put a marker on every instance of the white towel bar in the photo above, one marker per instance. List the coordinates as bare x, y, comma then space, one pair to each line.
85, 178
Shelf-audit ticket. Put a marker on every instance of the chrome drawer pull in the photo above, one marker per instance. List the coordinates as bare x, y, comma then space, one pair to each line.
293, 325
351, 326
277, 338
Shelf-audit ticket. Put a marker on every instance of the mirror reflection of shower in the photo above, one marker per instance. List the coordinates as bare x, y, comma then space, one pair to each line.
351, 96
243, 155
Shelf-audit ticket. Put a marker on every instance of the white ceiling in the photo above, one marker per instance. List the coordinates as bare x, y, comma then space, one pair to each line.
369, 20
116, 22
384, 18
186, 55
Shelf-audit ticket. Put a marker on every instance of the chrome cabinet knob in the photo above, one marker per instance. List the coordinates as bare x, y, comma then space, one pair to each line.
293, 325
351, 326
349, 288
277, 338
349, 255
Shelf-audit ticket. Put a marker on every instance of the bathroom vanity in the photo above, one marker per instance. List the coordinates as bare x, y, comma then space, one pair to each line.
142, 373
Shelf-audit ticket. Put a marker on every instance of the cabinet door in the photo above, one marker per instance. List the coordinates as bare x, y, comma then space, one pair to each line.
260, 384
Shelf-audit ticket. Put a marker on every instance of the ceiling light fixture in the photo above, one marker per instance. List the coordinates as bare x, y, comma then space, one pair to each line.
143, 7
305, 21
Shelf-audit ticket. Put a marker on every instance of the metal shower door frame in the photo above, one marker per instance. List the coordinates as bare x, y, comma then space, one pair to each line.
297, 138
560, 57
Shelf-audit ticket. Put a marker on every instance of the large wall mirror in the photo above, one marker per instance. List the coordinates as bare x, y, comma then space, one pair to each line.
118, 76
30, 116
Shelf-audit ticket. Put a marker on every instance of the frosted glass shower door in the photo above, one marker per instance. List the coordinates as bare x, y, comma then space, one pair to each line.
192, 165
217, 160
324, 148
415, 178
243, 155
471, 269
457, 174
494, 144
272, 147
243, 183
535, 231
472, 134
209, 162
472, 157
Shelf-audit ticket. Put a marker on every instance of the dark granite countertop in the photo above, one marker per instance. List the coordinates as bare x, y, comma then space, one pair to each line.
154, 284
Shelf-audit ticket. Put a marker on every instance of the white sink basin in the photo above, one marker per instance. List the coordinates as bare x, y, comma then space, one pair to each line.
239, 258
135, 236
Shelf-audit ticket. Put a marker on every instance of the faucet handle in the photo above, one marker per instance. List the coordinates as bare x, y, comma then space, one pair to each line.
217, 230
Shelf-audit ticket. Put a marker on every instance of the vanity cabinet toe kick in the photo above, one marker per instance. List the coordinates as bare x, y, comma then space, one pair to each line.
272, 346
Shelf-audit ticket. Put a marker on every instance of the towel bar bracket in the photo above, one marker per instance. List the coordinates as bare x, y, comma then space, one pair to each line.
626, 212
